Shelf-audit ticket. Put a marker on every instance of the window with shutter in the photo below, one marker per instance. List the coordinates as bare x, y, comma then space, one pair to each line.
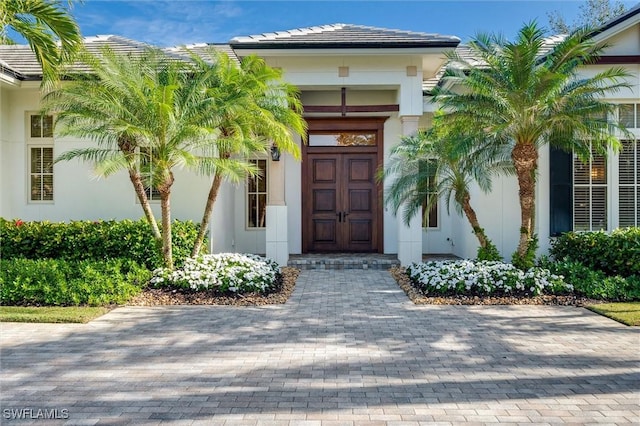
560, 191
40, 152
590, 194
629, 184
41, 173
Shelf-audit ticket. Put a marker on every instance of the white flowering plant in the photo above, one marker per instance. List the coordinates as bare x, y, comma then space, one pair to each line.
484, 278
223, 273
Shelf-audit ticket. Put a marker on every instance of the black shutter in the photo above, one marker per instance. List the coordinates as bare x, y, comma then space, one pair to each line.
561, 191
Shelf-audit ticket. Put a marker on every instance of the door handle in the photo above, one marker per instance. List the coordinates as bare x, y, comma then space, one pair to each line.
344, 216
339, 214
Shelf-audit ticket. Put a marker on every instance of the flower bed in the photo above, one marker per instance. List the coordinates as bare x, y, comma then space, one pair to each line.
484, 278
222, 273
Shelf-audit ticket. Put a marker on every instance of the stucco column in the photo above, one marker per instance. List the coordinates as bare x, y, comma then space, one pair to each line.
409, 236
277, 239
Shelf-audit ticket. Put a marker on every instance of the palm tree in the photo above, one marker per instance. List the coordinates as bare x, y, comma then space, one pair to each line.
205, 115
524, 95
252, 108
42, 23
132, 106
427, 166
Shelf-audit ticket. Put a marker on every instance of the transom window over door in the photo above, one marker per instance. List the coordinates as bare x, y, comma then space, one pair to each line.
342, 139
40, 158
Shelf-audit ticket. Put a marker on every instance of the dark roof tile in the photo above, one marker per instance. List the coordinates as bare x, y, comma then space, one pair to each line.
343, 36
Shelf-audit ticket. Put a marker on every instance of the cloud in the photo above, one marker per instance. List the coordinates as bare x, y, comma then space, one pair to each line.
227, 10
162, 23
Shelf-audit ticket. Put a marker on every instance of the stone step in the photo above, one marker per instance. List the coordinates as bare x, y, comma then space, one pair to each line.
343, 261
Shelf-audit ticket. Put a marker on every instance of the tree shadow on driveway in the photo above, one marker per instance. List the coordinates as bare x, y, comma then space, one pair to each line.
342, 345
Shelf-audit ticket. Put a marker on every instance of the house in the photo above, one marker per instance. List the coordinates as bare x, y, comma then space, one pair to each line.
363, 88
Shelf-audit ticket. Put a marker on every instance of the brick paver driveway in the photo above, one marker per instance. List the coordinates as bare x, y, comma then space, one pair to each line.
348, 348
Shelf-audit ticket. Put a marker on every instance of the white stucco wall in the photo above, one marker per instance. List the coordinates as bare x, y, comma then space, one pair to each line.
4, 128
247, 240
625, 42
78, 193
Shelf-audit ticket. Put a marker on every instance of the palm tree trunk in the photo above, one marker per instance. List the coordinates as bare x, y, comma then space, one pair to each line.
204, 224
525, 161
473, 220
128, 148
138, 186
167, 253
165, 206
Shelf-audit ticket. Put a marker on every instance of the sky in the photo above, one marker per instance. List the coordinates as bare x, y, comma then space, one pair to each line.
181, 22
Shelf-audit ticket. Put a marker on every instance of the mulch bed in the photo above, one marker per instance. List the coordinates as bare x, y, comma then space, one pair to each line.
156, 297
420, 298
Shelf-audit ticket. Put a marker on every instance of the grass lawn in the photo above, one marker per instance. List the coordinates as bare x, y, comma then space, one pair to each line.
75, 314
626, 313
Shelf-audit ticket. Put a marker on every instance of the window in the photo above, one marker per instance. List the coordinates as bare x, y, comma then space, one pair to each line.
257, 196
343, 139
146, 170
40, 153
41, 173
629, 184
628, 115
430, 219
590, 194
41, 126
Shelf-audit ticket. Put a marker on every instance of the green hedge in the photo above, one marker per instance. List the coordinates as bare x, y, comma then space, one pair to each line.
615, 253
65, 283
92, 240
596, 284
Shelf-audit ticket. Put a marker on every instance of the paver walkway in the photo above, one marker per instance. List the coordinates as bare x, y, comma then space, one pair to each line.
348, 348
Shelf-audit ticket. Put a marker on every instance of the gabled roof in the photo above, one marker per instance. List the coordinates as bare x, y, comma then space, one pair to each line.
343, 36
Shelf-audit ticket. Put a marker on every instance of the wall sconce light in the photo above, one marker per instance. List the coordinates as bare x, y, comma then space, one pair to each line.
275, 153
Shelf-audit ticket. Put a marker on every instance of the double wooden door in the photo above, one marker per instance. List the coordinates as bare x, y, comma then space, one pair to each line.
341, 202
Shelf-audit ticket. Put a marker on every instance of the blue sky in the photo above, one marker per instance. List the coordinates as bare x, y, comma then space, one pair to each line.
170, 23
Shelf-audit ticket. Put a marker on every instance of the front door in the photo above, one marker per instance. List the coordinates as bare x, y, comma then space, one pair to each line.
340, 196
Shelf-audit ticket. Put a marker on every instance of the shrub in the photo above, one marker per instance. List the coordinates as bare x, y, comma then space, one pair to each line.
222, 273
62, 282
489, 253
528, 260
98, 240
615, 253
596, 284
483, 278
